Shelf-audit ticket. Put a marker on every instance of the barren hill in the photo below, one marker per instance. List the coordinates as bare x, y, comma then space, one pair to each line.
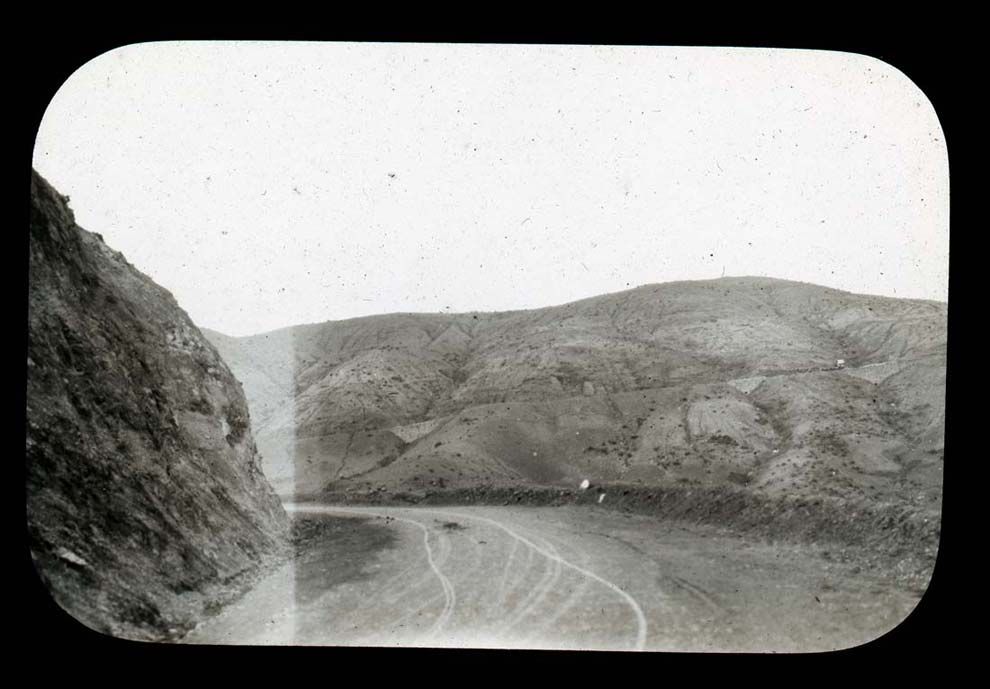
146, 502
727, 382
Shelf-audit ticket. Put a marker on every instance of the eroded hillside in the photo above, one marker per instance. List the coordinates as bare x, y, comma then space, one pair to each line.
729, 382
146, 502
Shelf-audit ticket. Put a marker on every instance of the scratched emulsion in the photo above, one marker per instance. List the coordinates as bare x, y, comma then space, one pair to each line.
470, 267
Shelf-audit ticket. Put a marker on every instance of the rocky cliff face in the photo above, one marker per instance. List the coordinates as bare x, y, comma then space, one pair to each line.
146, 500
730, 382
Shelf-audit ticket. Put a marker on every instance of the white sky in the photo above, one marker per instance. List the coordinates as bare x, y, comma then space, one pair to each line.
267, 184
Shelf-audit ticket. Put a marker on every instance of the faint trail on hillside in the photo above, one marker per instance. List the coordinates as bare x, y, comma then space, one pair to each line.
829, 369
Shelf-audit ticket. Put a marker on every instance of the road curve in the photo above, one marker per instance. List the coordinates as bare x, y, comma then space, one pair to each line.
556, 578
641, 624
450, 595
530, 605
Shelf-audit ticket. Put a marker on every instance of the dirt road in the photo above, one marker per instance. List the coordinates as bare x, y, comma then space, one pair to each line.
573, 577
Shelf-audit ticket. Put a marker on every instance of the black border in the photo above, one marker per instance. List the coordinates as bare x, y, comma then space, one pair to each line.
57, 47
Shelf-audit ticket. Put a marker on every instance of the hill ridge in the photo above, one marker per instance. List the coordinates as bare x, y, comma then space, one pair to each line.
635, 385
509, 312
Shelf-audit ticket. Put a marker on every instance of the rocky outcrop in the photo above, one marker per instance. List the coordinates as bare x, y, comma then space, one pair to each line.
146, 502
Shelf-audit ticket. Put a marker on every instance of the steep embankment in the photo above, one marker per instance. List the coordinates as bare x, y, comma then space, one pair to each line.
728, 382
146, 501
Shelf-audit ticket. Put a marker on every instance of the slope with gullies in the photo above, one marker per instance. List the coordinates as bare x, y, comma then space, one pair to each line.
727, 382
146, 503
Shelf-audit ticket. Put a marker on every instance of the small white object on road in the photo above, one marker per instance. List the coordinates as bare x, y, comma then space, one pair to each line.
601, 497
584, 484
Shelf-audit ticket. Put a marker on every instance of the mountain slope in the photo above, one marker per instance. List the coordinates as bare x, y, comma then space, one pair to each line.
721, 382
146, 502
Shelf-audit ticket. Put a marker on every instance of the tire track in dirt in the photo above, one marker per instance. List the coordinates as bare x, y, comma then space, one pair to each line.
695, 592
533, 599
573, 596
553, 562
501, 592
450, 596
498, 608
641, 623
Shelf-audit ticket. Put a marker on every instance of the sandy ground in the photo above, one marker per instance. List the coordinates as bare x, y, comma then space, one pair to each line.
575, 577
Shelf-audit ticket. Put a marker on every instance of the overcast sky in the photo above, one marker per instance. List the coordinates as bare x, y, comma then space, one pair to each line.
271, 184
